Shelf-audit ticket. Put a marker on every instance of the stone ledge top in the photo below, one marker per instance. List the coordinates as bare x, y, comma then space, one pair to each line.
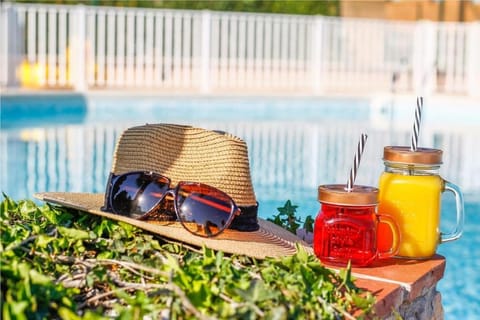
395, 281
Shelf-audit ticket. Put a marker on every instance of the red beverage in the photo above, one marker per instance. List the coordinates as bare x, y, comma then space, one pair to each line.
346, 227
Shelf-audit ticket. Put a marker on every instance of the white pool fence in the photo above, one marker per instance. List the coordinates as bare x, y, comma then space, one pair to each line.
84, 47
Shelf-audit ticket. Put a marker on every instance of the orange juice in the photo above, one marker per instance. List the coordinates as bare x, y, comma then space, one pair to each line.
410, 192
414, 202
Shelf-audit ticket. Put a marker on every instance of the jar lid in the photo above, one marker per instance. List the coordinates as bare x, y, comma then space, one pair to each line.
405, 155
337, 194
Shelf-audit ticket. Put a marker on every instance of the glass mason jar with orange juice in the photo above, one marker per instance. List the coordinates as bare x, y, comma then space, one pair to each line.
410, 191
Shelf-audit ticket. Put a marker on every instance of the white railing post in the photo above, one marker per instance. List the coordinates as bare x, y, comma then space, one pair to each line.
77, 60
316, 55
3, 45
4, 54
205, 52
11, 41
424, 58
472, 67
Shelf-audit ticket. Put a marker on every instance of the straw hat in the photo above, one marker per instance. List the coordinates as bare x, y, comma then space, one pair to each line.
185, 153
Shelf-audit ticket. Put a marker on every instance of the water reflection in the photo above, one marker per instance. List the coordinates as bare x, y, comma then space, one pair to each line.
284, 156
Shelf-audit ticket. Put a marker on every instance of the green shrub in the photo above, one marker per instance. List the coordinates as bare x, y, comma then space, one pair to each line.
63, 264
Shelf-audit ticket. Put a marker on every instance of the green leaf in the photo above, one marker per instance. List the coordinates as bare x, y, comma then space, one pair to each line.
38, 278
67, 314
43, 240
309, 223
172, 263
74, 234
15, 310
27, 207
286, 217
277, 313
7, 205
288, 209
302, 254
105, 255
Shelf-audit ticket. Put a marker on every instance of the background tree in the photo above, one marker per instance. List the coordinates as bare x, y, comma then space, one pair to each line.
308, 7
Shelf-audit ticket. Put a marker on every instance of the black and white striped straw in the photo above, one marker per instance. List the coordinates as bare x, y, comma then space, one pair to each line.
356, 162
416, 124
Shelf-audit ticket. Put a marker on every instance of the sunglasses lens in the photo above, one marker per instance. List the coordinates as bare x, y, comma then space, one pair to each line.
135, 194
204, 210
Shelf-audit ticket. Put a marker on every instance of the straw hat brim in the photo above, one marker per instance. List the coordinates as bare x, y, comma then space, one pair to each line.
269, 241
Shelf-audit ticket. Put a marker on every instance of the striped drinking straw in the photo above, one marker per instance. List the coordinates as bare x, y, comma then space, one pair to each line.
356, 162
416, 124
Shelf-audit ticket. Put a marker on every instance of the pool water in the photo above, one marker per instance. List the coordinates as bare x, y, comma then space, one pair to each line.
66, 143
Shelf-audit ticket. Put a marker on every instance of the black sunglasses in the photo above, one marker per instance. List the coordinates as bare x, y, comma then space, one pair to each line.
202, 209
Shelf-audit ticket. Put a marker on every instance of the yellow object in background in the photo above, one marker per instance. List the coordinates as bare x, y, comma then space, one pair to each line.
414, 202
32, 135
31, 75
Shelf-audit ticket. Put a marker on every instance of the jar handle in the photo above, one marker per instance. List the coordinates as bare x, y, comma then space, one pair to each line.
457, 232
388, 220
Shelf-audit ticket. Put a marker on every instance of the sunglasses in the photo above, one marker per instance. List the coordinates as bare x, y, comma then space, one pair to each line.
201, 209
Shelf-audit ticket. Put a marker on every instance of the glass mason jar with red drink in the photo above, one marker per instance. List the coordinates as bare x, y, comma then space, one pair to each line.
346, 228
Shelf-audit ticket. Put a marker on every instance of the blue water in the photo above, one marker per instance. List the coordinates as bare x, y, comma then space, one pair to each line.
39, 153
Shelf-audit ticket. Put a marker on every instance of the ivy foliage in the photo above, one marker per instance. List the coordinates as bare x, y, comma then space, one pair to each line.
287, 218
58, 263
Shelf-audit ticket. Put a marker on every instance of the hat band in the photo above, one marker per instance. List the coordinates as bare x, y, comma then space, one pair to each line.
246, 220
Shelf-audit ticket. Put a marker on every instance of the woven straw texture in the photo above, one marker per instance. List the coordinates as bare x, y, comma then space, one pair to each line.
185, 153
269, 241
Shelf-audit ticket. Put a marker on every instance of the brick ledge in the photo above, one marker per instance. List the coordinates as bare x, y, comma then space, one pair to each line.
402, 285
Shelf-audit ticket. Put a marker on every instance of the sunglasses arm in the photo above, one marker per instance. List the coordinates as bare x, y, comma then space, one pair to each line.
106, 204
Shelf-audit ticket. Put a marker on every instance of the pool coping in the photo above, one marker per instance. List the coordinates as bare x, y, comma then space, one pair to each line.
403, 287
162, 92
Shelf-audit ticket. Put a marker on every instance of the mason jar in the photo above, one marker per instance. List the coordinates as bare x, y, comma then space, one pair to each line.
411, 192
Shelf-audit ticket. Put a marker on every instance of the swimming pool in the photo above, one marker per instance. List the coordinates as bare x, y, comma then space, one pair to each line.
66, 142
